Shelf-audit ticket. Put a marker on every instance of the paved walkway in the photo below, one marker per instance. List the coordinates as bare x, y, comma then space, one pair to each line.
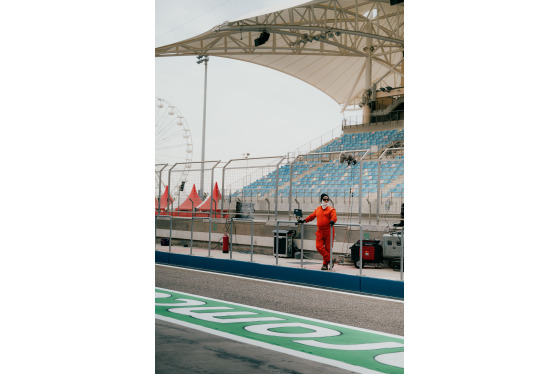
347, 267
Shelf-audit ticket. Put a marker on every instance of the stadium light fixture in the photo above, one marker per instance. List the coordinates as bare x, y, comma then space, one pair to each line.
305, 38
201, 59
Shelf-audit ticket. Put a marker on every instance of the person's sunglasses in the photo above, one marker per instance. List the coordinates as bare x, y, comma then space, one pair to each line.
325, 199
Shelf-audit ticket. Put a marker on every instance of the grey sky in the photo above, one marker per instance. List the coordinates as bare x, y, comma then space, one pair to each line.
250, 109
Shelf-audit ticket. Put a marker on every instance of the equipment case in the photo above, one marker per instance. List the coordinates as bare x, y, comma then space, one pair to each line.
392, 244
285, 242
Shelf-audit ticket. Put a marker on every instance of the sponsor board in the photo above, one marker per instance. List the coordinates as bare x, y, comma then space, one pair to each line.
347, 347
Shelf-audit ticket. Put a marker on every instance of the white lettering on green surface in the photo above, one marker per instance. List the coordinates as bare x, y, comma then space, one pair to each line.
213, 317
347, 347
317, 332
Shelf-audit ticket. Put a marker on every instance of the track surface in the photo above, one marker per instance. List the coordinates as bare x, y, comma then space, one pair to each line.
181, 349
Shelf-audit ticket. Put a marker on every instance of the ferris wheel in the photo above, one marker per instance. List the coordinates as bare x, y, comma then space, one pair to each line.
173, 144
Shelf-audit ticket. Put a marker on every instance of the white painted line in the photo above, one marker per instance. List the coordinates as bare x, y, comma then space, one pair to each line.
286, 284
272, 347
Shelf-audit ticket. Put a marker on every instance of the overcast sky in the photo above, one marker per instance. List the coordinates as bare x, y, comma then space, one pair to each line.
250, 109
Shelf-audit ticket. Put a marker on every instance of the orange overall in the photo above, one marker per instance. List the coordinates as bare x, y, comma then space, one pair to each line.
323, 234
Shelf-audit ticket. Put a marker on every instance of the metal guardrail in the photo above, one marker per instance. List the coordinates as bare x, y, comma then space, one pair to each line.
318, 142
231, 235
277, 238
361, 240
301, 248
226, 167
402, 253
159, 194
192, 225
331, 241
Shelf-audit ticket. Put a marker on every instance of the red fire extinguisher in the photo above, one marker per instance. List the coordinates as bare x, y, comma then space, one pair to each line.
225, 248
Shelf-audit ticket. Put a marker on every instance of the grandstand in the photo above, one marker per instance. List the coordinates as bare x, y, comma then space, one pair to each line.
334, 177
320, 171
353, 52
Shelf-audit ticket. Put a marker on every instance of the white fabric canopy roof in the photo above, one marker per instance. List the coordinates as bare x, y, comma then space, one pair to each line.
341, 47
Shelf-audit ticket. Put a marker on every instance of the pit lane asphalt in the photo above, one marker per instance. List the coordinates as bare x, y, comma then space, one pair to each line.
180, 349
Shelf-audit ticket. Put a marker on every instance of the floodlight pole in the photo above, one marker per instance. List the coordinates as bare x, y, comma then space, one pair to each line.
205, 60
367, 95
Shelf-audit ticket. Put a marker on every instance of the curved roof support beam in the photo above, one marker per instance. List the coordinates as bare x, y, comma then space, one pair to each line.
310, 28
321, 42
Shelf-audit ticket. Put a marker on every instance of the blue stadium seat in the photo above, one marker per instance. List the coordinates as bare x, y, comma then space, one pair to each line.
335, 177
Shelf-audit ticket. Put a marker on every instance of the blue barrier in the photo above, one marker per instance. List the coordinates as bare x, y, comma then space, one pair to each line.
384, 287
345, 282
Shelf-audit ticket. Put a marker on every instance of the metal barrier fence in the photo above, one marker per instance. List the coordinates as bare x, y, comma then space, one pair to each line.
358, 119
285, 248
245, 181
179, 182
318, 142
361, 243
364, 185
271, 187
231, 235
166, 200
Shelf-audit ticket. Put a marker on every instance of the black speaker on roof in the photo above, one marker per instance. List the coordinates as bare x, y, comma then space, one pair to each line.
263, 38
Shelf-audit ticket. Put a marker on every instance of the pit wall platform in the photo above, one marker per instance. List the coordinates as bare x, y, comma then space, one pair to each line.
324, 279
263, 242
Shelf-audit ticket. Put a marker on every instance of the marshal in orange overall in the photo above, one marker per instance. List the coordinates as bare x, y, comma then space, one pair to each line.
326, 217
